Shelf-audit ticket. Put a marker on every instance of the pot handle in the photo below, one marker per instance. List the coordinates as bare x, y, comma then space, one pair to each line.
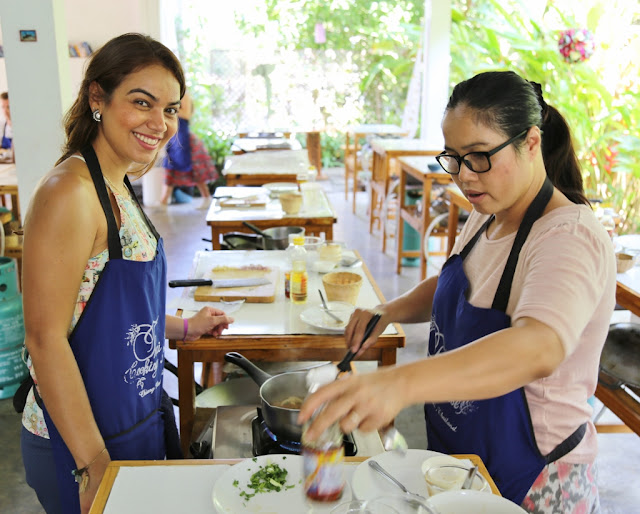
258, 376
256, 229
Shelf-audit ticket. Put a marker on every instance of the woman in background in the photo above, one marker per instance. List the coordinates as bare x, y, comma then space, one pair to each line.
518, 314
187, 161
95, 283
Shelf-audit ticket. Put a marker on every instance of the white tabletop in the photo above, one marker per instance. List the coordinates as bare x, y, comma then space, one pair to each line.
272, 162
8, 175
281, 316
319, 208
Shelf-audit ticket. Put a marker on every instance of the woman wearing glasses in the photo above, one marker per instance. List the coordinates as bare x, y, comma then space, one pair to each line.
519, 313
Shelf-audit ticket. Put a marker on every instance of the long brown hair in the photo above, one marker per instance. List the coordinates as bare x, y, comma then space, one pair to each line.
108, 67
510, 104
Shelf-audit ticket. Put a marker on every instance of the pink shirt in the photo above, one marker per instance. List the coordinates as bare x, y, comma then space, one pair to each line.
565, 278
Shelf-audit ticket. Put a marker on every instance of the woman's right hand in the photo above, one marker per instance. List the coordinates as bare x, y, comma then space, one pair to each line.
354, 332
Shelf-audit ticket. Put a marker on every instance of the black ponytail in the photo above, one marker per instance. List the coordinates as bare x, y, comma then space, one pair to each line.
508, 103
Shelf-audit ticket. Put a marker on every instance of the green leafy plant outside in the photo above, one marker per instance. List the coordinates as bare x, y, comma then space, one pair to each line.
492, 35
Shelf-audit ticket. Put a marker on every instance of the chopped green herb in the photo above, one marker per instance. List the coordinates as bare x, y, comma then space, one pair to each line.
284, 458
235, 483
255, 459
268, 478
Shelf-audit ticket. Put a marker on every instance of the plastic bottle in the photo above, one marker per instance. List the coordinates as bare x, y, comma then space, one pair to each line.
323, 459
608, 221
298, 279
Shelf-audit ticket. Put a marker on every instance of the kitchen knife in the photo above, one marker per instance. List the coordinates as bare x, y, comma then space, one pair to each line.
221, 283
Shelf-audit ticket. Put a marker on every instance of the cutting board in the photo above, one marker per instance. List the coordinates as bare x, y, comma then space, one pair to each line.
252, 294
253, 201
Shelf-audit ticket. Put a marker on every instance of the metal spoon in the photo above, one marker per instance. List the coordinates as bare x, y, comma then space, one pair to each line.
326, 308
377, 467
393, 440
468, 482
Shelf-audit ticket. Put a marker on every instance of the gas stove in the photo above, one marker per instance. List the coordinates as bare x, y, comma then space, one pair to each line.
239, 432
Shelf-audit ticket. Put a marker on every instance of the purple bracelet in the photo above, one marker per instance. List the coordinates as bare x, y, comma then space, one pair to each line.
185, 322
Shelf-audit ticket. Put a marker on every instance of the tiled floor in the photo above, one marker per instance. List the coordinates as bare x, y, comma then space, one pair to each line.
183, 228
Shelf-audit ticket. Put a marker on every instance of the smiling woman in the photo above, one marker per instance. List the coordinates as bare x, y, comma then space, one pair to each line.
97, 343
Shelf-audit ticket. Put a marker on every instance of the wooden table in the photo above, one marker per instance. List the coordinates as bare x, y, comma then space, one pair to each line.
272, 332
188, 494
358, 132
417, 167
9, 188
384, 151
259, 168
457, 201
618, 400
316, 221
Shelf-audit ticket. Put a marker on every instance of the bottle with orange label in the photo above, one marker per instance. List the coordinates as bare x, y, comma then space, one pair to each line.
298, 278
323, 458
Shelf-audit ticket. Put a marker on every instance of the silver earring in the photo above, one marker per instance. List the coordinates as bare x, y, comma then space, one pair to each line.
97, 116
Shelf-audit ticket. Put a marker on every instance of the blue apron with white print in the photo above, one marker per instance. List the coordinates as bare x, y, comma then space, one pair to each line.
118, 344
499, 430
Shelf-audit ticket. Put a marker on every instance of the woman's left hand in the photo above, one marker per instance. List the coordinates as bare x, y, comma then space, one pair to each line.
208, 321
368, 402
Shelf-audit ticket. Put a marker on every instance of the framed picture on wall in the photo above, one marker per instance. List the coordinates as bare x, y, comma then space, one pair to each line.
28, 35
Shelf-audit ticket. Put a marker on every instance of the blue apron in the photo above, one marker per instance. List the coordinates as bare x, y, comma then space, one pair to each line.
6, 141
118, 344
499, 430
178, 156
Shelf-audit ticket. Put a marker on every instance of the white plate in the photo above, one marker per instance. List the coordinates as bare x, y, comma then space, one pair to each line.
317, 317
226, 497
277, 188
629, 242
473, 502
368, 484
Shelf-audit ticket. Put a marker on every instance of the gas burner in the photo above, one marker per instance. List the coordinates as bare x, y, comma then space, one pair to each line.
265, 442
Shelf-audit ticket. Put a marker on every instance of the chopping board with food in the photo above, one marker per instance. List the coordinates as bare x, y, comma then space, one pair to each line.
248, 201
263, 291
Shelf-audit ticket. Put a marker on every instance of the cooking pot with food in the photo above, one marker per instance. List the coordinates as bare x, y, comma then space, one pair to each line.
275, 238
620, 359
281, 396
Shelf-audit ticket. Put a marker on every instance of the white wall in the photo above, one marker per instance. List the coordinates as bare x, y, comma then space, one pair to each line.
43, 80
435, 87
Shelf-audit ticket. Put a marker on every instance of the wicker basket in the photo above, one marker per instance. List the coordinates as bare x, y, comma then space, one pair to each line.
291, 202
342, 286
624, 262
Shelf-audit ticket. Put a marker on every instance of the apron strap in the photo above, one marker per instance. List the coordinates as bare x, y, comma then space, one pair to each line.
567, 445
133, 195
534, 211
469, 246
113, 235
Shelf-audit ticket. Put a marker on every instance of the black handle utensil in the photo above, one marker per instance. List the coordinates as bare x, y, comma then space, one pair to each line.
345, 363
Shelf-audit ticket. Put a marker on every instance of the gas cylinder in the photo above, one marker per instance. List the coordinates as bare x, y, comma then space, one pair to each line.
12, 368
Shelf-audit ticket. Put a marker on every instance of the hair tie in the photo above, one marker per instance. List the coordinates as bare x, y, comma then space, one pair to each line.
538, 90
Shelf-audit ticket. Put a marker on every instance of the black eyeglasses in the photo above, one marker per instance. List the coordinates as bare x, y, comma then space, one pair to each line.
478, 162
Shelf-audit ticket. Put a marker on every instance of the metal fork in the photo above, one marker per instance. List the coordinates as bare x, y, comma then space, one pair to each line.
326, 308
377, 467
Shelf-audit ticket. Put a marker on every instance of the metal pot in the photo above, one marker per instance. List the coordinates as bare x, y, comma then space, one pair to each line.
620, 359
241, 241
275, 238
273, 390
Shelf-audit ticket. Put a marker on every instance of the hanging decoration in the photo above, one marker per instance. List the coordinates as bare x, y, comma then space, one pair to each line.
576, 45
320, 36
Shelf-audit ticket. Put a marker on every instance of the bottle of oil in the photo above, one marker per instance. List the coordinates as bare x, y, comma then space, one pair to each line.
323, 459
298, 278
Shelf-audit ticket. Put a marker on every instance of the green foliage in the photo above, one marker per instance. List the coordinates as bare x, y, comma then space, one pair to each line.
378, 40
499, 35
217, 144
332, 149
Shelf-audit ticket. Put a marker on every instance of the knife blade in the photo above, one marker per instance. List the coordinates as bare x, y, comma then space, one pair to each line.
222, 283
